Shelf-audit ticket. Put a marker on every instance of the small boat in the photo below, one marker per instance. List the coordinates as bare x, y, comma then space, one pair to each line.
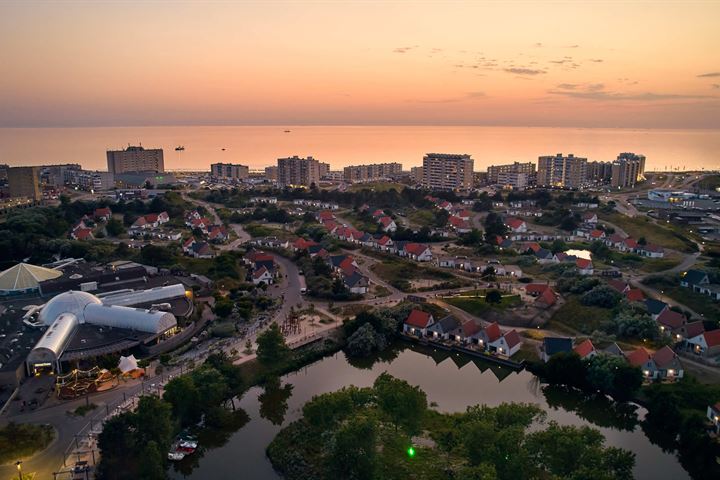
287, 131
223, 149
179, 148
175, 456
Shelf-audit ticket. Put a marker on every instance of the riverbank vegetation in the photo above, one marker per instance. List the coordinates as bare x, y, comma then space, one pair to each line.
374, 330
388, 432
22, 440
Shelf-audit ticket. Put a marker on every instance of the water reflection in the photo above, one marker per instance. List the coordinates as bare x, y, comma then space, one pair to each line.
274, 401
596, 409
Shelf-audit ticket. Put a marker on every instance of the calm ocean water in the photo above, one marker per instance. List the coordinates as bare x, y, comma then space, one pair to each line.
348, 145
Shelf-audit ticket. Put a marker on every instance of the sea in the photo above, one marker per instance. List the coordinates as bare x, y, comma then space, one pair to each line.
340, 146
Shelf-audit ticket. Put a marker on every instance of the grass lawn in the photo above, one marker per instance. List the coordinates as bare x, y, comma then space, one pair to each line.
377, 186
528, 353
422, 218
478, 306
702, 304
667, 237
257, 230
398, 273
23, 440
573, 315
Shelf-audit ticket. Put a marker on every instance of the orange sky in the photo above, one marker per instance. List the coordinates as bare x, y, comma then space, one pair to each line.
611, 64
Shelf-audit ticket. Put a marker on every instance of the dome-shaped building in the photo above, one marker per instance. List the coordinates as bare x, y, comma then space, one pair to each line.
69, 302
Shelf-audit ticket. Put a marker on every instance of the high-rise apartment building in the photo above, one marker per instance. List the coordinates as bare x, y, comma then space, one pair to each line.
271, 173
627, 170
323, 169
229, 171
375, 171
599, 172
561, 171
136, 159
444, 171
514, 180
24, 182
494, 171
416, 173
298, 171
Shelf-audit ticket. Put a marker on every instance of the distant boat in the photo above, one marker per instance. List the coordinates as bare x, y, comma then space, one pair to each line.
223, 149
179, 148
287, 131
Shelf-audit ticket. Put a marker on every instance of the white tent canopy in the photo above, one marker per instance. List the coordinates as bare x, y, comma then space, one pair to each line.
24, 276
128, 364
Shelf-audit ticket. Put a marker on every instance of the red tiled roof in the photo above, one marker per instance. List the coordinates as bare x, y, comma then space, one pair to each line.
418, 318
470, 328
548, 297
534, 247
630, 243
493, 332
589, 215
536, 288
415, 248
635, 295
638, 357
671, 318
583, 263
384, 240
347, 264
712, 338
514, 223
664, 356
189, 242
83, 233
326, 215
102, 212
385, 221
585, 348
378, 213
694, 329
597, 234
512, 338
259, 272
618, 285
616, 238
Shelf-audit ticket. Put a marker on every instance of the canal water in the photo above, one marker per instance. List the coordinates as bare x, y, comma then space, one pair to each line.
452, 383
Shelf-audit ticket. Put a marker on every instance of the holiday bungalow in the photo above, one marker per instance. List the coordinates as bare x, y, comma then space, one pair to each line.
417, 323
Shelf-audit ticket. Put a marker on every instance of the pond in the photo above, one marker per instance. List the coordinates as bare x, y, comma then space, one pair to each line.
586, 254
451, 381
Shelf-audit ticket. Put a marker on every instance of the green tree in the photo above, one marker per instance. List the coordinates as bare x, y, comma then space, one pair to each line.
151, 462
272, 350
353, 451
182, 394
404, 404
493, 297
115, 227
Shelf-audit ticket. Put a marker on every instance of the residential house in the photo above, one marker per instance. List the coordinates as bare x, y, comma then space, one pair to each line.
202, 250
597, 235
546, 299
218, 234
590, 218
157, 219
619, 286
102, 214
468, 329
544, 256
668, 364
655, 307
487, 335
188, 245
445, 329
417, 323
82, 234
635, 295
535, 289
507, 345
554, 345
459, 225
706, 344
447, 262
388, 224
694, 277
356, 282
650, 250
670, 323
262, 275
516, 225
642, 359
418, 252
584, 266
585, 349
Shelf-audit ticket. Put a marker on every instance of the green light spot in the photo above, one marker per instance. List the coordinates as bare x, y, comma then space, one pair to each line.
411, 452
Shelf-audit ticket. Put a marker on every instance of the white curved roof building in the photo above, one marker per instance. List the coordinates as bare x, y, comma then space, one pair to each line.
64, 313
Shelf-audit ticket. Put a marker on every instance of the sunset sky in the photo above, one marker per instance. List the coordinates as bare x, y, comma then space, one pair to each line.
609, 64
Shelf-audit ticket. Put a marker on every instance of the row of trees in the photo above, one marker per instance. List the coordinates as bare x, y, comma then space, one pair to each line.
367, 433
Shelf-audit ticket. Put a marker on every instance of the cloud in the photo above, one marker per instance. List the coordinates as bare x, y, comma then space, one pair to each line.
524, 71
597, 91
572, 46
596, 60
567, 86
709, 75
404, 49
538, 45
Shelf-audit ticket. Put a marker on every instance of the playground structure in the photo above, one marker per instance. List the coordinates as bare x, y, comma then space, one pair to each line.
82, 382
